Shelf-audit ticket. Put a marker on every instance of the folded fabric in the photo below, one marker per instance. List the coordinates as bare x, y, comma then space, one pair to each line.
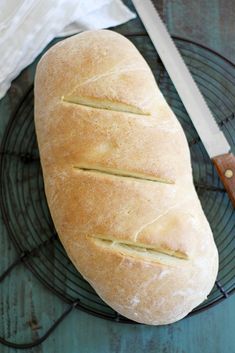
27, 26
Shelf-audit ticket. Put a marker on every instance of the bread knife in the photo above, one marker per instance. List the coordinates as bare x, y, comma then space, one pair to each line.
212, 137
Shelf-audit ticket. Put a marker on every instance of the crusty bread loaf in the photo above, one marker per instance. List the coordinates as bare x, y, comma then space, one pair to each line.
118, 179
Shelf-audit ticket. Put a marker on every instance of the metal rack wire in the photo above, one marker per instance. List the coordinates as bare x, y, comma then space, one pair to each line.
27, 218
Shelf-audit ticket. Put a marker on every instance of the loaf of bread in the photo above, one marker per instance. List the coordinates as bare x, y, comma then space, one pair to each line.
118, 179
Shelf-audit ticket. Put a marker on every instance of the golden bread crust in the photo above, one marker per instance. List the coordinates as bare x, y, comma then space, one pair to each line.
118, 179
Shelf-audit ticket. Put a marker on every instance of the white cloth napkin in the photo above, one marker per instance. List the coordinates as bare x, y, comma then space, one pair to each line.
27, 26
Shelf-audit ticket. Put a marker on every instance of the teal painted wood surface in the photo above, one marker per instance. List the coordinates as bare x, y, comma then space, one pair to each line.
27, 309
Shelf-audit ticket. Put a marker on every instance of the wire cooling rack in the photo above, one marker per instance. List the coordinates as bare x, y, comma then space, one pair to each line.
27, 218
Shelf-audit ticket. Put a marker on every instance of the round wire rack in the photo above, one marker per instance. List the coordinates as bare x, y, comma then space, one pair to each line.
24, 206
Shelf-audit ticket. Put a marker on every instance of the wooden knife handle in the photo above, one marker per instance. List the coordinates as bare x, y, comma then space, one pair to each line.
225, 165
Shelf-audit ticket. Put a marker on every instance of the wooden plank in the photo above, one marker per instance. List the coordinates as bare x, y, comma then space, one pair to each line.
208, 22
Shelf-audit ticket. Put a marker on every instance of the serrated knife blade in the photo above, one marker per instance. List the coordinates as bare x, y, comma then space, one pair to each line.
212, 137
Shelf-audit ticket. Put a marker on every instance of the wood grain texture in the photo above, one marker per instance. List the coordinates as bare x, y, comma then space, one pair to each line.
225, 166
208, 22
24, 301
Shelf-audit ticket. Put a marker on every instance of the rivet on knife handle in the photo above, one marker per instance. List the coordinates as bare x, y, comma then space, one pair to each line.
225, 165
